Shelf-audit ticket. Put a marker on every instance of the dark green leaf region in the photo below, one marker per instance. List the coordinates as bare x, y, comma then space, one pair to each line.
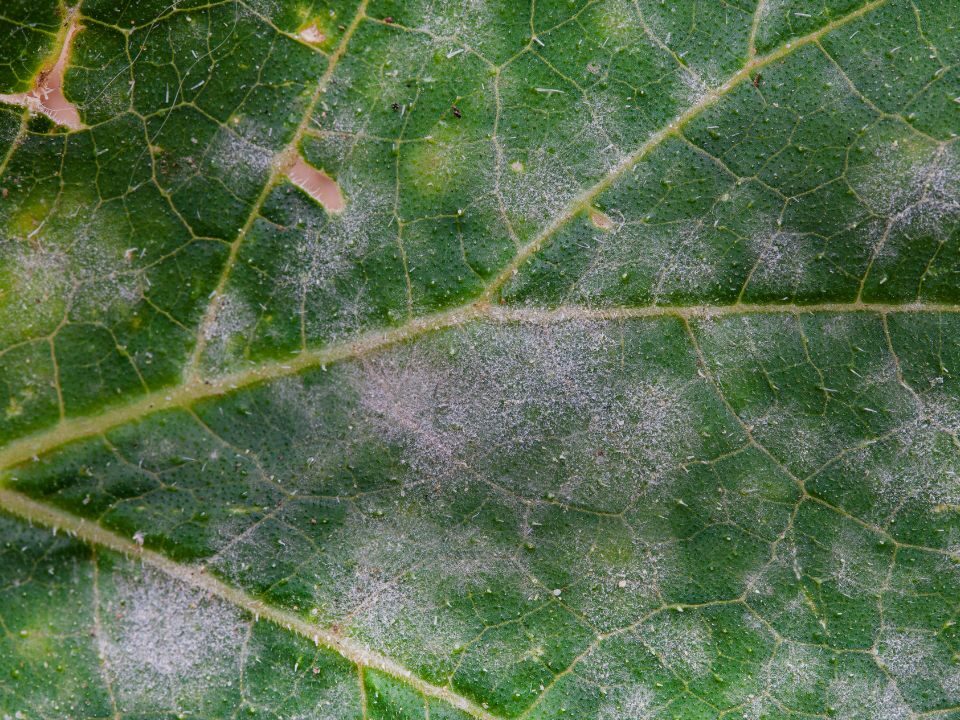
479, 359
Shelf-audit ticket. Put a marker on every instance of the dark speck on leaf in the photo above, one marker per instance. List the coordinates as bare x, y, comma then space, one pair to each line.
395, 107
757, 80
388, 20
456, 112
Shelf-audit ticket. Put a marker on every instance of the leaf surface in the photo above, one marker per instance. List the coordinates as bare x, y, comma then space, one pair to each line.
612, 374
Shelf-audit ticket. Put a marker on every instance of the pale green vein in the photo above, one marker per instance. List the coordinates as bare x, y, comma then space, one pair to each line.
196, 389
584, 200
279, 167
195, 576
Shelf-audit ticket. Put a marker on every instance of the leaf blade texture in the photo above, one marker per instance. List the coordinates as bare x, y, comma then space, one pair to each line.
409, 359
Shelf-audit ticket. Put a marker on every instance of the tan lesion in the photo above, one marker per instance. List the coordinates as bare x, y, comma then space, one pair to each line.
601, 220
312, 34
317, 184
46, 97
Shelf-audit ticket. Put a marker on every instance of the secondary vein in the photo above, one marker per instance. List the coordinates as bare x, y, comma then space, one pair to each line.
279, 167
196, 576
195, 387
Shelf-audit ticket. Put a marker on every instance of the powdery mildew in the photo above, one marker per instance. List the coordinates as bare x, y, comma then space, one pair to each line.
240, 162
502, 390
682, 641
795, 670
466, 20
380, 594
226, 334
46, 276
636, 703
165, 643
409, 432
663, 259
322, 268
860, 699
912, 655
915, 185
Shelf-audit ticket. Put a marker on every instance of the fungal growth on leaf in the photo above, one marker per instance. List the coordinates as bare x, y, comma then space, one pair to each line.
479, 359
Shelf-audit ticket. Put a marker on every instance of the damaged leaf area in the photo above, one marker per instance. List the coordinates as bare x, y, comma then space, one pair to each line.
492, 359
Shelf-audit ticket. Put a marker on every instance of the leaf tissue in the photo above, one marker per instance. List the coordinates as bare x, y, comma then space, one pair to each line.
479, 359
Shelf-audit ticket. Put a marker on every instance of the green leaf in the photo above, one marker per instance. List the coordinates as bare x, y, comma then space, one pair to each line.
368, 359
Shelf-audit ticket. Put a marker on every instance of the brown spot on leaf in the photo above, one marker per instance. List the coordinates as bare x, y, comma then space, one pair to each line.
601, 220
317, 184
47, 96
312, 35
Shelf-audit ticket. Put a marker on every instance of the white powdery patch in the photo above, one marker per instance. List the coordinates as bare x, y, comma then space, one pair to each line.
45, 276
772, 15
753, 513
951, 684
684, 258
681, 640
542, 189
782, 259
674, 257
330, 249
612, 596
635, 703
769, 582
232, 320
697, 81
378, 594
469, 20
854, 567
863, 699
942, 411
401, 397
39, 277
756, 707
238, 161
792, 434
500, 390
740, 344
166, 644
640, 430
43, 271
158, 453
910, 654
588, 144
795, 669
694, 88
917, 188
752, 622
259, 8
619, 21
952, 543
837, 92
923, 465
605, 130
337, 702
363, 84
314, 433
